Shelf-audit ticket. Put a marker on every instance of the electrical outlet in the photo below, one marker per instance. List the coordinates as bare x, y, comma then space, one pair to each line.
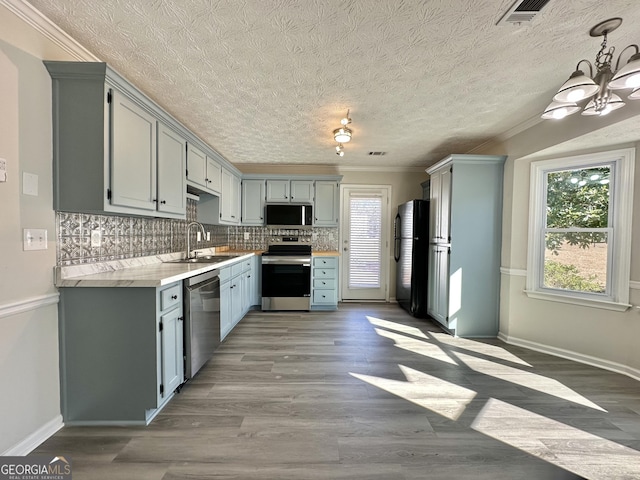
246, 235
208, 236
34, 239
96, 238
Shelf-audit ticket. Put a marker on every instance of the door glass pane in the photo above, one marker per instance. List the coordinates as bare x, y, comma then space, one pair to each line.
365, 233
576, 261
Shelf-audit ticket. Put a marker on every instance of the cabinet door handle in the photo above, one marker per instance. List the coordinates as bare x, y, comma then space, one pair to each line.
163, 202
324, 283
155, 200
180, 319
174, 297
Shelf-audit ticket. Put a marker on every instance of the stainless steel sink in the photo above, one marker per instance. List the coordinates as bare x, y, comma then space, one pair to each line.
205, 259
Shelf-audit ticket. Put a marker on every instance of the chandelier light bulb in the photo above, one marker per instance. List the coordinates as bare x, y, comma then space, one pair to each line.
342, 135
559, 110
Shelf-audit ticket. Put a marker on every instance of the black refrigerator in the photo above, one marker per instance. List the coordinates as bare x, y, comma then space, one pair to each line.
411, 252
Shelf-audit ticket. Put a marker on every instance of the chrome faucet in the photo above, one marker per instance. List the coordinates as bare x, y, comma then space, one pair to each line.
204, 235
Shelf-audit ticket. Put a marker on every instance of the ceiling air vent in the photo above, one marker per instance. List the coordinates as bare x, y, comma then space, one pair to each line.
377, 153
522, 12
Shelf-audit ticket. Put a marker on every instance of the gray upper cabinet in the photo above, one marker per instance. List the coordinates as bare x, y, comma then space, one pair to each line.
171, 166
289, 191
196, 166
278, 191
230, 198
203, 171
327, 203
134, 154
320, 191
302, 191
114, 150
253, 200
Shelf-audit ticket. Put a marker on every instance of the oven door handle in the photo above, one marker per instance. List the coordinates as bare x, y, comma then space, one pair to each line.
305, 262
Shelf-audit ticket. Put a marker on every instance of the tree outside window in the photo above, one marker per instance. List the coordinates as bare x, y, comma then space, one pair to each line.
577, 229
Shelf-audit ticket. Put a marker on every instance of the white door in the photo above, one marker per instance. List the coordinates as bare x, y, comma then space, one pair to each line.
364, 242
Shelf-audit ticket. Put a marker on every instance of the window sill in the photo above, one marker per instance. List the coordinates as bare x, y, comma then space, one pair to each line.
584, 302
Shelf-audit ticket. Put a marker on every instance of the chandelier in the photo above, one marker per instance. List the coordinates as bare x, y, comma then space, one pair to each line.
598, 88
342, 134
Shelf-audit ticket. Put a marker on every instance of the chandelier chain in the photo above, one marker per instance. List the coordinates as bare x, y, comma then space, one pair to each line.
603, 58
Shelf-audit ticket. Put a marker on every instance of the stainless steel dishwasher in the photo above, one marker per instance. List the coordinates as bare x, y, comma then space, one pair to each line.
202, 320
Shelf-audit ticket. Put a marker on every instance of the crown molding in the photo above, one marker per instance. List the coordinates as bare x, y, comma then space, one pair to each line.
32, 17
379, 169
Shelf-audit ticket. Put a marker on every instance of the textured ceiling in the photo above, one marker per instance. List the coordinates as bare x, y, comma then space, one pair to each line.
266, 81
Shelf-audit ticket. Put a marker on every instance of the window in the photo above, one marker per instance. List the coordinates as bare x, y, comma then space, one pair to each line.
365, 233
580, 229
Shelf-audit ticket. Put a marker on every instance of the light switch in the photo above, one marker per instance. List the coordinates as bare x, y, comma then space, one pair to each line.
29, 184
34, 239
246, 235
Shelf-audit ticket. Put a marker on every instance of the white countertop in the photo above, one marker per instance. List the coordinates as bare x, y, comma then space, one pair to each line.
136, 272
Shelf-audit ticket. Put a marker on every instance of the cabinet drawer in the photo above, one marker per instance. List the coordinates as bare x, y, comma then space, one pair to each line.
324, 273
225, 274
328, 262
237, 268
246, 265
324, 283
324, 296
170, 297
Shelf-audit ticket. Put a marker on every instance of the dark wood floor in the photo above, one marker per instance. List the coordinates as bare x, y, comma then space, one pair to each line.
369, 392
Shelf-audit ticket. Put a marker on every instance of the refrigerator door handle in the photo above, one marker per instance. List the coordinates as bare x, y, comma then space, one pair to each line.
396, 240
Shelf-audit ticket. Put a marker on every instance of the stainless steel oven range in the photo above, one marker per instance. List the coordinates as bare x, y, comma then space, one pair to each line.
286, 274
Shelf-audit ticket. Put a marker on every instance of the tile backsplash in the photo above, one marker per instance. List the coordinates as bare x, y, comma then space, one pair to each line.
127, 237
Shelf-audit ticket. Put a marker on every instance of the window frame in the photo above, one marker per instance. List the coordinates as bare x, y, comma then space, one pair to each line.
619, 245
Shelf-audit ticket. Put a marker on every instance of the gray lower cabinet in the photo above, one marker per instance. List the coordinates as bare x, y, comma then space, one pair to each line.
113, 150
324, 283
238, 284
121, 352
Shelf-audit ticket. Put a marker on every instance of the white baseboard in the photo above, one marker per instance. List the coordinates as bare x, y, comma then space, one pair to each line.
30, 443
570, 355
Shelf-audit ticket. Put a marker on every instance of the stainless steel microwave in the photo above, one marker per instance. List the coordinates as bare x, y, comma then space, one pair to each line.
288, 215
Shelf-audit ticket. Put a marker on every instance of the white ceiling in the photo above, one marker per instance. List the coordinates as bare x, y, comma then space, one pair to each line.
266, 81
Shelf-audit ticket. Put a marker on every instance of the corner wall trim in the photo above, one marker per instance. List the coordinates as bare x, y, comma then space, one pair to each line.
30, 443
570, 355
29, 304
31, 16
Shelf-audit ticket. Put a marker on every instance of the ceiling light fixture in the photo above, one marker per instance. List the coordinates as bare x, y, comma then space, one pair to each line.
598, 88
342, 135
